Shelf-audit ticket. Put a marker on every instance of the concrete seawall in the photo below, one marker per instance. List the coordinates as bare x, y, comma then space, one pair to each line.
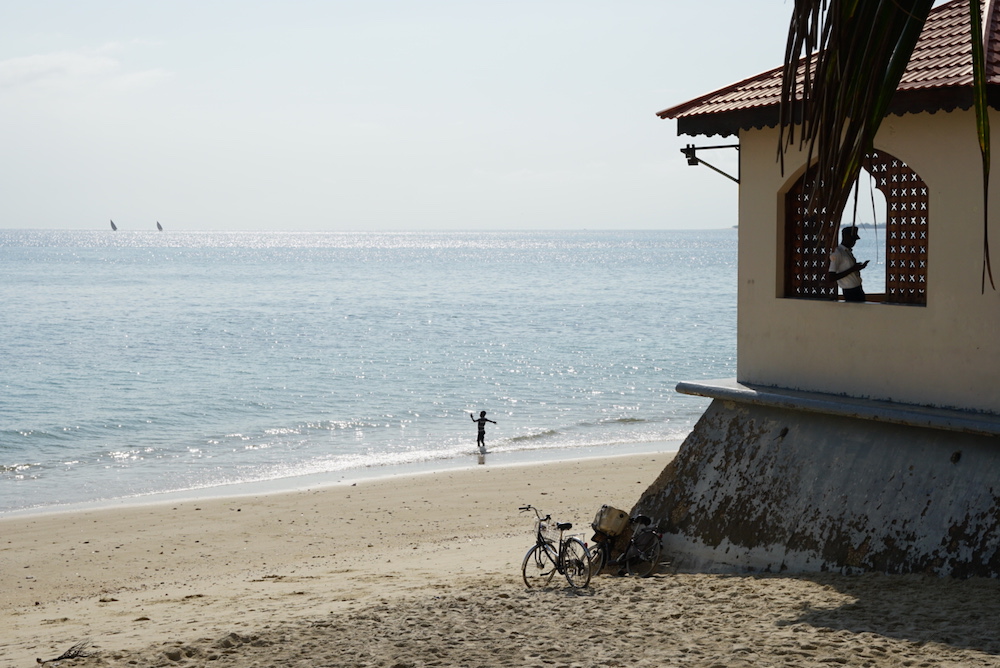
762, 487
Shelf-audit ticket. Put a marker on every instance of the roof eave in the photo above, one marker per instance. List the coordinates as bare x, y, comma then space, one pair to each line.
926, 100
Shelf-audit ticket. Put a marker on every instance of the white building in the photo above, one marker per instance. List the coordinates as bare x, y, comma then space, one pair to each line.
855, 435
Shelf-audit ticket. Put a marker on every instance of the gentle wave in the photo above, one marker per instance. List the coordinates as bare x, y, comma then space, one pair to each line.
532, 437
18, 469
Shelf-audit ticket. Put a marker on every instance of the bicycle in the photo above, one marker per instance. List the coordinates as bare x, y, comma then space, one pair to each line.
546, 557
641, 556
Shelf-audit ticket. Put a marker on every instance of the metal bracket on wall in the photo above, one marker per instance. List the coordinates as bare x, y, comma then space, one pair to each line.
690, 152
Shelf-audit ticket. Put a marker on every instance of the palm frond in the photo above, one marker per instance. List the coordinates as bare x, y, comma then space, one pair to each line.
982, 127
77, 651
855, 53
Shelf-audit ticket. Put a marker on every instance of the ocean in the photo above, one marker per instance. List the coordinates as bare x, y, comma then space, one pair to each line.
142, 363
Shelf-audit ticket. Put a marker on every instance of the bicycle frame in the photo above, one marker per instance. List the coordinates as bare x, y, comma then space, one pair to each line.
645, 547
640, 557
568, 556
543, 541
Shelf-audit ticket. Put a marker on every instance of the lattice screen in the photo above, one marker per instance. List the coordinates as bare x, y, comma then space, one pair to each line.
807, 263
905, 230
806, 260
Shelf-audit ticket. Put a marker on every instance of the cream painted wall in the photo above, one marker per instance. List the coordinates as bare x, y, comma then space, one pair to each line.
946, 354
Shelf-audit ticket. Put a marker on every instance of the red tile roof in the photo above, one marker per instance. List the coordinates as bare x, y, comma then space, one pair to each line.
938, 77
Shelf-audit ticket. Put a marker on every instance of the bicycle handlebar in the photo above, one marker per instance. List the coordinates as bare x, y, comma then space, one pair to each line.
537, 513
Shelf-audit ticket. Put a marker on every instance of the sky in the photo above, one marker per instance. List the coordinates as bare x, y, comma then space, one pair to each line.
368, 115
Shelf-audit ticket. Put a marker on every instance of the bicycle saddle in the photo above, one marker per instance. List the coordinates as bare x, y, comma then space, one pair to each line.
564, 526
642, 519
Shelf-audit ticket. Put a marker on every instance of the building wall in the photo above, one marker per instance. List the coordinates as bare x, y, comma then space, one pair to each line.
945, 354
757, 488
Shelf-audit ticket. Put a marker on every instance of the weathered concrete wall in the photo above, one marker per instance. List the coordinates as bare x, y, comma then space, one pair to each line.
759, 488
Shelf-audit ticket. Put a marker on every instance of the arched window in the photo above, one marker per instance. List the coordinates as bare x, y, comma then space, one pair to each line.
905, 229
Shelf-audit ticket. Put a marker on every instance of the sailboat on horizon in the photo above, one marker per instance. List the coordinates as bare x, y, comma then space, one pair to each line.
158, 226
114, 228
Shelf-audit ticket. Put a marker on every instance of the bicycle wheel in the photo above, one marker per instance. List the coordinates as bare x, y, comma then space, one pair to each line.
643, 554
576, 563
539, 566
598, 557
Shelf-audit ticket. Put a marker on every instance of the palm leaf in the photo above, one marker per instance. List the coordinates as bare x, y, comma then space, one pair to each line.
856, 52
982, 127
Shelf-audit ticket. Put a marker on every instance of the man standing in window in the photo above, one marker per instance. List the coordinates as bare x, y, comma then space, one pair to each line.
845, 269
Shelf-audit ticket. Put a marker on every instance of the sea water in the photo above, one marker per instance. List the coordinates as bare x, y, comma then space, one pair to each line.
136, 363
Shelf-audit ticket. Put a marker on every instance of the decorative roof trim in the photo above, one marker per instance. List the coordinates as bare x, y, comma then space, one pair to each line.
729, 123
938, 78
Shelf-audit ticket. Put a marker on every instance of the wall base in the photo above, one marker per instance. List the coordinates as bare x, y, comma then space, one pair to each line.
764, 488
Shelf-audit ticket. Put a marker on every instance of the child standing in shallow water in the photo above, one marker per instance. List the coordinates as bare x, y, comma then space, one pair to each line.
481, 440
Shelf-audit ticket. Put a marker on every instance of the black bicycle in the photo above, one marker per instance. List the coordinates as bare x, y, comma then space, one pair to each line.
640, 558
550, 555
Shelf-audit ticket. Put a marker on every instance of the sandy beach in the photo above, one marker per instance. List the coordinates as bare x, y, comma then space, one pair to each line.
423, 570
